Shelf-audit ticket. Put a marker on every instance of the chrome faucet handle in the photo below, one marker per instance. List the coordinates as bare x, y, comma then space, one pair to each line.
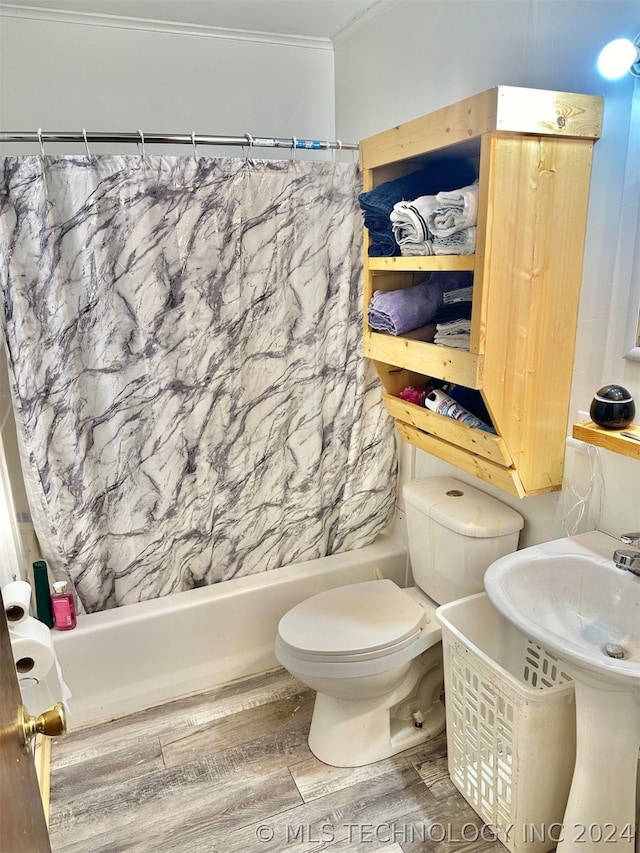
630, 538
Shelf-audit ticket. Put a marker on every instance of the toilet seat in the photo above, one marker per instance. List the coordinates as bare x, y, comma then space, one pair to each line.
360, 620
353, 630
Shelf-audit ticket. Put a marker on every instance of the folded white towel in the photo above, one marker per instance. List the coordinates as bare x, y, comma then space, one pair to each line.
419, 249
455, 333
461, 243
454, 341
409, 219
462, 294
442, 224
453, 327
453, 211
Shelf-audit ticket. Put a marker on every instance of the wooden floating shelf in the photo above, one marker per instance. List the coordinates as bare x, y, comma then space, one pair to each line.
609, 439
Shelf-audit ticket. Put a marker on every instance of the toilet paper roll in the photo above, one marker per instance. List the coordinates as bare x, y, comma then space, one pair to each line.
17, 599
32, 649
40, 695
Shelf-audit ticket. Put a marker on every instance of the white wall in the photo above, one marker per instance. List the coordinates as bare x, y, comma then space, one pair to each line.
415, 56
63, 75
67, 73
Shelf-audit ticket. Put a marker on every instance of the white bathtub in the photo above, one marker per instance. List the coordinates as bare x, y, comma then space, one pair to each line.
133, 657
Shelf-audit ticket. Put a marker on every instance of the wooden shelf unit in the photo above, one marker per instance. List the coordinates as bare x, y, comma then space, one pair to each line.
532, 150
610, 439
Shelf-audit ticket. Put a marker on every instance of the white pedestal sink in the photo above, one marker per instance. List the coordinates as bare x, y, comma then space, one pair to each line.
569, 596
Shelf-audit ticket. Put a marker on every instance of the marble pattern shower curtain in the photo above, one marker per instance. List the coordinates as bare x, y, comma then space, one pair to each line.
184, 349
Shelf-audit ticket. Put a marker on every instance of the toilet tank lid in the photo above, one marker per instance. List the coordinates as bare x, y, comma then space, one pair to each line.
462, 508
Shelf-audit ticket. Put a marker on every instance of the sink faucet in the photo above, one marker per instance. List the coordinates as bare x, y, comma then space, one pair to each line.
626, 558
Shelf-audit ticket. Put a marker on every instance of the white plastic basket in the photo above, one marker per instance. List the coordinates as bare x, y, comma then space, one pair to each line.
510, 725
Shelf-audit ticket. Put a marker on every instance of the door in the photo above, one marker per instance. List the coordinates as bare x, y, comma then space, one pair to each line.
23, 828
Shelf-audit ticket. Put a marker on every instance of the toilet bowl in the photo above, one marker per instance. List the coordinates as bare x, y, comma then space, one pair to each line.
372, 650
365, 649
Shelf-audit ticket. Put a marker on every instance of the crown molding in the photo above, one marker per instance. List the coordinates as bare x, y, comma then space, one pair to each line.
90, 19
375, 10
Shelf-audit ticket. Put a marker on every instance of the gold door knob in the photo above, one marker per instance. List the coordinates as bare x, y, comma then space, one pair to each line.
52, 722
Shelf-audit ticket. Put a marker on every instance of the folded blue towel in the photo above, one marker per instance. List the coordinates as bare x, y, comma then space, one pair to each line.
460, 311
382, 242
377, 204
400, 311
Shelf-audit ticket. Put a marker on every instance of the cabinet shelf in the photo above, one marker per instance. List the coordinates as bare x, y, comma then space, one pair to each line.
610, 439
452, 365
532, 151
484, 444
431, 263
503, 478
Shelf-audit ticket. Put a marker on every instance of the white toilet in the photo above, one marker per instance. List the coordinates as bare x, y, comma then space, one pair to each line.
372, 650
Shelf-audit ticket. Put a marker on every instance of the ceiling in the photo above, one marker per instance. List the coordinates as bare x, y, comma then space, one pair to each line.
316, 18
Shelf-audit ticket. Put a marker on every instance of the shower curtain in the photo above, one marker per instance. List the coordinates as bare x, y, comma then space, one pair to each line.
183, 340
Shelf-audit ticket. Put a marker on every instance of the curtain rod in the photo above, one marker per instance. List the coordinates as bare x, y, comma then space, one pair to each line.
194, 139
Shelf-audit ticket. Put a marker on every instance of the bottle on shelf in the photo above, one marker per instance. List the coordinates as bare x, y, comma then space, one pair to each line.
439, 402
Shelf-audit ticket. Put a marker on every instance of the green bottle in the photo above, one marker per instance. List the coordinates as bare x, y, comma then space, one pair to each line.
43, 595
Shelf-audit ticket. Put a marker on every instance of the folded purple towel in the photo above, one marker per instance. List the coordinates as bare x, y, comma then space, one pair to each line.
400, 311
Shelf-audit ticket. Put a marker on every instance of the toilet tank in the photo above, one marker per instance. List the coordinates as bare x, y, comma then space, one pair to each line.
455, 532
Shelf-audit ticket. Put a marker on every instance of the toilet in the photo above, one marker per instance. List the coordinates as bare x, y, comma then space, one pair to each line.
372, 651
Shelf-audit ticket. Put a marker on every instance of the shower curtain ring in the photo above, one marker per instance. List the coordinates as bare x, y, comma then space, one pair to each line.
86, 142
339, 144
141, 143
193, 142
251, 142
294, 145
40, 140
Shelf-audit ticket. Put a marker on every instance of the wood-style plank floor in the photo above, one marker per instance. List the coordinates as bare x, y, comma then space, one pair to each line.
231, 770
